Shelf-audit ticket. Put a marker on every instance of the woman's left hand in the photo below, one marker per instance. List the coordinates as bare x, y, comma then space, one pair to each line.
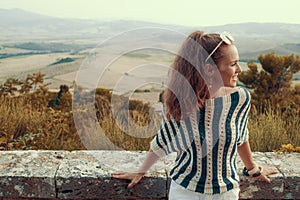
267, 171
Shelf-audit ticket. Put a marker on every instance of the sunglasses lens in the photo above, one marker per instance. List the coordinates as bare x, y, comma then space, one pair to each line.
227, 38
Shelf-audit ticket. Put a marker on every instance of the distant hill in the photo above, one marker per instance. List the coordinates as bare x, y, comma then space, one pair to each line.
252, 39
12, 17
285, 49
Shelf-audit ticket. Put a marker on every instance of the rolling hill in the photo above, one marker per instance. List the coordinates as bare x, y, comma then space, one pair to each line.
252, 39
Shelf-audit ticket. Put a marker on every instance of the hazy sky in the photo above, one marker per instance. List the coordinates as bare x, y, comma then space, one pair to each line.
183, 12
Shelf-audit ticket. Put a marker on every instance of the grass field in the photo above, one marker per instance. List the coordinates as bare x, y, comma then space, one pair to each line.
129, 74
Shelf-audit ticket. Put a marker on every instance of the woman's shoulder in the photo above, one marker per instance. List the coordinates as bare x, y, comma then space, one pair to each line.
229, 95
225, 91
243, 90
242, 94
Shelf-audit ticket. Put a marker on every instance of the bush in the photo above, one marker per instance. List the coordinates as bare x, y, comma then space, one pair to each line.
270, 129
273, 82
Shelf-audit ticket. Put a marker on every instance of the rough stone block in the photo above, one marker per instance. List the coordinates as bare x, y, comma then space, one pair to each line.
88, 174
53, 175
288, 164
28, 174
251, 188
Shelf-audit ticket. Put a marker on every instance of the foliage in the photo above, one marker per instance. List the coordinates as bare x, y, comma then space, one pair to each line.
35, 48
8, 55
270, 129
23, 125
274, 118
26, 121
273, 82
51, 47
104, 93
287, 148
12, 87
63, 60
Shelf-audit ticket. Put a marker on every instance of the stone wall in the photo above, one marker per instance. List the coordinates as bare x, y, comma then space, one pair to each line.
87, 175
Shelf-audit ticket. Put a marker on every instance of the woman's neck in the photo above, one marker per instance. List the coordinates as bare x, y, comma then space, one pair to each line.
222, 91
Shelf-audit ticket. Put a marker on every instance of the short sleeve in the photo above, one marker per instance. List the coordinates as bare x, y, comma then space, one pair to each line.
244, 137
161, 144
173, 136
244, 132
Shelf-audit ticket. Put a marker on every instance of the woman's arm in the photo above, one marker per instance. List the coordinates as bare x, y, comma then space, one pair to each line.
135, 177
244, 151
246, 155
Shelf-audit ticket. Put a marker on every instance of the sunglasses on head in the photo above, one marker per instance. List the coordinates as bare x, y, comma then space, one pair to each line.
226, 37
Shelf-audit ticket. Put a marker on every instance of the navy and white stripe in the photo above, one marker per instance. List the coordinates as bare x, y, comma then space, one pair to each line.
206, 143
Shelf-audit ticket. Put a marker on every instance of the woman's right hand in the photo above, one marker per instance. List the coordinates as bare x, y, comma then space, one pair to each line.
134, 177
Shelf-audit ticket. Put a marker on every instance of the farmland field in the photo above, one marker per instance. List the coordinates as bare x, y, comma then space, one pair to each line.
124, 74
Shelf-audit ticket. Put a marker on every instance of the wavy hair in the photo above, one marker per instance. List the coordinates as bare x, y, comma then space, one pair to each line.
187, 89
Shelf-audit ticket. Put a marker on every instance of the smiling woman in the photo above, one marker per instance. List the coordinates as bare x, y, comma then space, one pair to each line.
204, 121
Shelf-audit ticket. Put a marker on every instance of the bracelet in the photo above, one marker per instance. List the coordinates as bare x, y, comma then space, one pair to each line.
255, 172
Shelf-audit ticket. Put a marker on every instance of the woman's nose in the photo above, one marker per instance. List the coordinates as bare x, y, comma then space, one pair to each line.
238, 68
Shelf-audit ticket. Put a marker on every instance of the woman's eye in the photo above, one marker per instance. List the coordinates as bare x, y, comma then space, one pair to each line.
234, 64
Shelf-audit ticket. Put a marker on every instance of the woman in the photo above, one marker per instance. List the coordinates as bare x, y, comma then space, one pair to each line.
205, 121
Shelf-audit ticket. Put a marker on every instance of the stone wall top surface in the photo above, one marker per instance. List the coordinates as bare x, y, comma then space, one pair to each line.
87, 175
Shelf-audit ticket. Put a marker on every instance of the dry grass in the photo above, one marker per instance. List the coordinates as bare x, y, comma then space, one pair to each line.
271, 129
27, 123
26, 126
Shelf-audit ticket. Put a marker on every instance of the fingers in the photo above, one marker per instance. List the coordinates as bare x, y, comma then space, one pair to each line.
130, 185
270, 170
117, 174
264, 173
134, 182
264, 178
122, 175
134, 177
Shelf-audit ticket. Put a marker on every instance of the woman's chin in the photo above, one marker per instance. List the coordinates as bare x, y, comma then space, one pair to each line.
232, 85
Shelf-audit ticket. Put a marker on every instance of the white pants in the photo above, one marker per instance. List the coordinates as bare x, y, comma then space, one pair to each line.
177, 192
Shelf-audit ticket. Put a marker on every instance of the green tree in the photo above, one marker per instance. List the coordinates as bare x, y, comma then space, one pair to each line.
272, 83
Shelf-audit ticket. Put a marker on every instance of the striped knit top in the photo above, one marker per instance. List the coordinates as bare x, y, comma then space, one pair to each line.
206, 143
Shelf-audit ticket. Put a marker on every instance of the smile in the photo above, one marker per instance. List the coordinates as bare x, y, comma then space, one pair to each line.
235, 78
